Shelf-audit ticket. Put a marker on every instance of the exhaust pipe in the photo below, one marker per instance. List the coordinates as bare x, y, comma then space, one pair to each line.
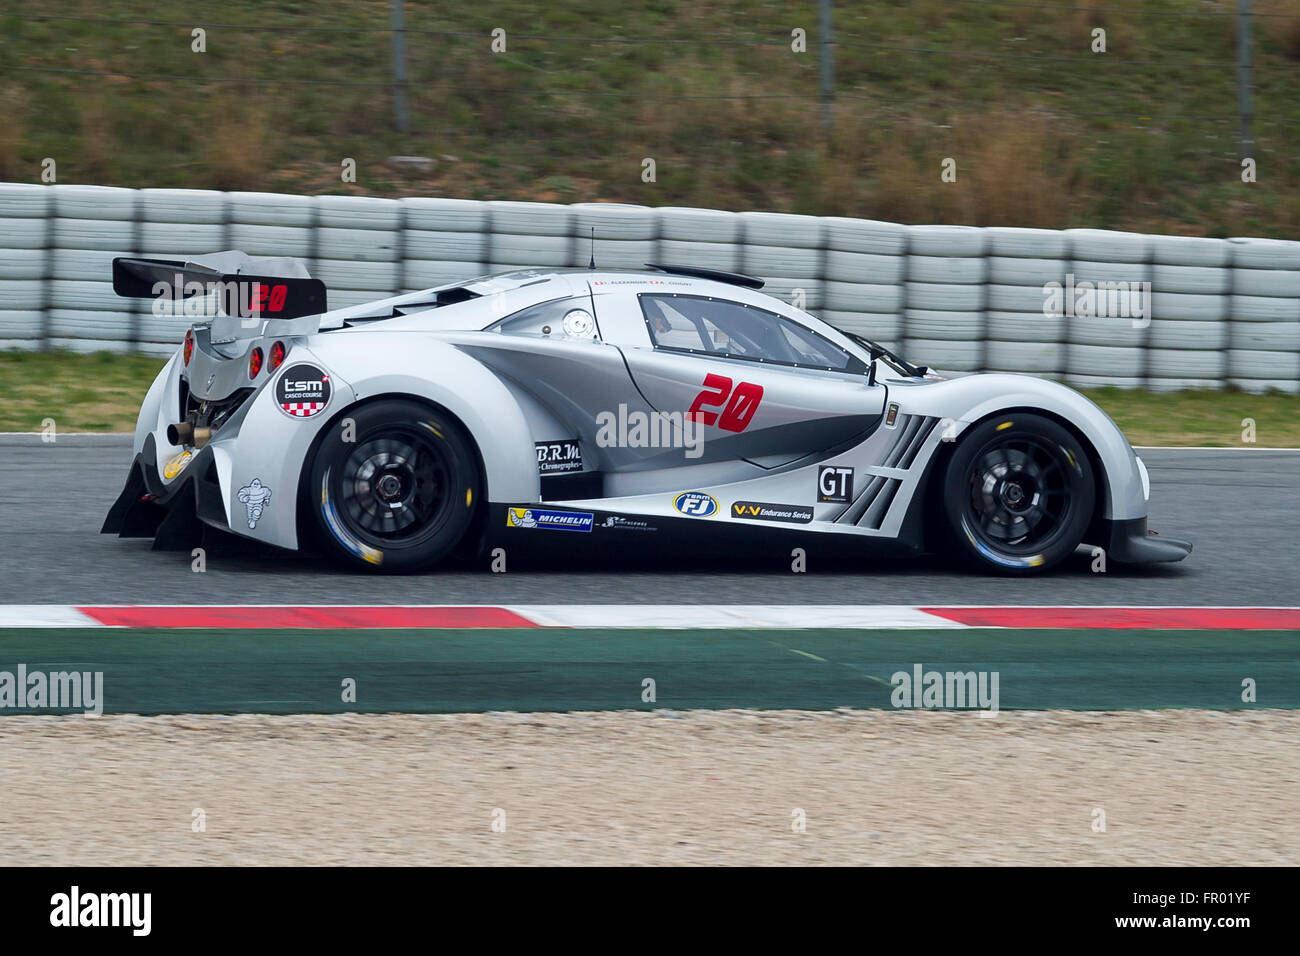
183, 433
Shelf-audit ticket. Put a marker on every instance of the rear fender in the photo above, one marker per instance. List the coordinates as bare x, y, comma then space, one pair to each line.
413, 366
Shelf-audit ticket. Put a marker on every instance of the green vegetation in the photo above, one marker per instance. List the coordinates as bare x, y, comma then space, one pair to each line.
82, 393
1044, 131
102, 392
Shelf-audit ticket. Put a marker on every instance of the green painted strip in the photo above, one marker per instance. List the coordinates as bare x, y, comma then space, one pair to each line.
555, 669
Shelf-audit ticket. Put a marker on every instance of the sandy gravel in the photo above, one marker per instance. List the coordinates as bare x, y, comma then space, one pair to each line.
1177, 787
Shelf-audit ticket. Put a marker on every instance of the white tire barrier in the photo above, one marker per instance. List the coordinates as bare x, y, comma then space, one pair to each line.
1028, 327
358, 212
1032, 358
885, 329
781, 229
862, 297
946, 241
863, 267
949, 326
724, 256
946, 269
271, 209
1102, 245
942, 355
529, 219
699, 225
1102, 360
774, 261
258, 239
1190, 251
1026, 272
866, 235
445, 215
22, 233
1184, 334
1015, 242
933, 296
1265, 253
1201, 280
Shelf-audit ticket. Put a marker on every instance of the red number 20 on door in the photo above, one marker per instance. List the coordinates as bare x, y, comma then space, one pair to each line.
738, 403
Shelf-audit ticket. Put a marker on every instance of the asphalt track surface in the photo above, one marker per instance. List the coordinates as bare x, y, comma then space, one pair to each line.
413, 671
1241, 508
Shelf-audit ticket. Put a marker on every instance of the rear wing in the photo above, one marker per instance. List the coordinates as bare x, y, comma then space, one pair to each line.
244, 286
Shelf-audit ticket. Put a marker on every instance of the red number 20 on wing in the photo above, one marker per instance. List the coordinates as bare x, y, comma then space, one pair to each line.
738, 411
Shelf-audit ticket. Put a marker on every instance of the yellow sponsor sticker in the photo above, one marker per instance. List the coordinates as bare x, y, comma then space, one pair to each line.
176, 464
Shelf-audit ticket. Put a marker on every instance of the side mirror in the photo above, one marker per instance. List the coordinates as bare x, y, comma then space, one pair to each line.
875, 353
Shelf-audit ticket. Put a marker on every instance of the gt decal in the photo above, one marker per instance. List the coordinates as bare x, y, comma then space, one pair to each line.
739, 411
834, 483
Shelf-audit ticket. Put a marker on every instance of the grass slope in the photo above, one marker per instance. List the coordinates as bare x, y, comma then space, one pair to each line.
1044, 131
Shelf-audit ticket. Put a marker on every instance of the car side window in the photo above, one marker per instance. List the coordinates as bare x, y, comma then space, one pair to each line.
712, 326
548, 318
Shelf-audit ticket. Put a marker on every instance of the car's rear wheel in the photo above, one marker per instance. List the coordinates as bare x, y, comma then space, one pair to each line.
1019, 493
393, 486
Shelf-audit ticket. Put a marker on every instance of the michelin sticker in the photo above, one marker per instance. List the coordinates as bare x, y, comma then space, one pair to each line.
254, 496
537, 518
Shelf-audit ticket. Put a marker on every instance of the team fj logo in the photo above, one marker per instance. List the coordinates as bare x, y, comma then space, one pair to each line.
696, 504
303, 391
255, 496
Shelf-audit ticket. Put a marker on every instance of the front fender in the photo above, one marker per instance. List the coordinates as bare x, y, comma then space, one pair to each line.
973, 397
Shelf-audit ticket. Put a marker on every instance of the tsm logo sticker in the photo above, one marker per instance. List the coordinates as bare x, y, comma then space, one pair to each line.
303, 391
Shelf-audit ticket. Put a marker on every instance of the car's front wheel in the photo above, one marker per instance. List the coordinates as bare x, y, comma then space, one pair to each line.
1019, 493
393, 486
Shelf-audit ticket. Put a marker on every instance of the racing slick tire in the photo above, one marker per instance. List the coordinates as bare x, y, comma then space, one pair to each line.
397, 491
1019, 492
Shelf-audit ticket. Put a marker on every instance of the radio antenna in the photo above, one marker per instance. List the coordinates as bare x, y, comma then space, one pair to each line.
592, 263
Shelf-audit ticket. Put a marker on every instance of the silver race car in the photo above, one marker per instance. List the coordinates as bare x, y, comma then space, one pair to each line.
671, 410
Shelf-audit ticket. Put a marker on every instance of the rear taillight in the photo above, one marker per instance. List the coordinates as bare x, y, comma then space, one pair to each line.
254, 363
187, 352
277, 356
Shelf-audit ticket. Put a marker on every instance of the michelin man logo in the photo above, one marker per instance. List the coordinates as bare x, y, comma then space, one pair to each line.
255, 497
525, 520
